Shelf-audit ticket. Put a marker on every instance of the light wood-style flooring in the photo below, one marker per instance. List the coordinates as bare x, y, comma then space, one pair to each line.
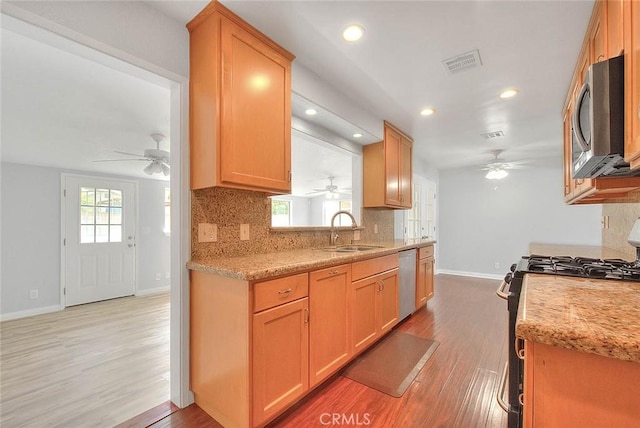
456, 387
93, 365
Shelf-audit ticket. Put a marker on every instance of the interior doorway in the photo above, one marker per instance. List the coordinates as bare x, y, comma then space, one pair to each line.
179, 209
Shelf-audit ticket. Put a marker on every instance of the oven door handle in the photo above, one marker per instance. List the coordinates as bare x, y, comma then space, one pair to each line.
501, 290
503, 387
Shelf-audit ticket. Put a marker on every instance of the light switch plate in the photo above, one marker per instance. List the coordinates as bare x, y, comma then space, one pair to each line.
207, 232
244, 232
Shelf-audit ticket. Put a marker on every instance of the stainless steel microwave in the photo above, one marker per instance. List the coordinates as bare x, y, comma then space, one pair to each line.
598, 122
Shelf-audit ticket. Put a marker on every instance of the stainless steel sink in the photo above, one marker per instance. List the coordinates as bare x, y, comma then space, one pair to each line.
351, 248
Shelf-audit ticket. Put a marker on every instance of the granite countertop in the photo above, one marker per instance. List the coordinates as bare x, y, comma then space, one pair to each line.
589, 315
262, 266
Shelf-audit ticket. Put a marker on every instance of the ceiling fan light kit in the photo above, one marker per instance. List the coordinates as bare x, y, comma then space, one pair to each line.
496, 174
160, 159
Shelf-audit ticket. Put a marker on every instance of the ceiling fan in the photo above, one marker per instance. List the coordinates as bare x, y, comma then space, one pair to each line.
331, 190
159, 159
497, 168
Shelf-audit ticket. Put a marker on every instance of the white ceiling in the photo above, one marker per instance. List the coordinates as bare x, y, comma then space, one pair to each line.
60, 108
396, 69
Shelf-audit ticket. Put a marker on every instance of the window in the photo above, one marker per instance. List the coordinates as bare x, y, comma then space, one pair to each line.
167, 211
100, 215
280, 213
330, 207
414, 215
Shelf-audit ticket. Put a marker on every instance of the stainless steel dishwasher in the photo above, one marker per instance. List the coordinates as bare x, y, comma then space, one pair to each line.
407, 279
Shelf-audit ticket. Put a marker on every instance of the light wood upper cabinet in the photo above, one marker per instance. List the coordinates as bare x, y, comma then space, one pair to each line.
388, 171
609, 32
240, 105
329, 344
615, 29
631, 17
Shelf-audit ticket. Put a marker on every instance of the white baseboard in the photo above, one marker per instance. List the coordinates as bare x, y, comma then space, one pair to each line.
30, 312
471, 274
147, 291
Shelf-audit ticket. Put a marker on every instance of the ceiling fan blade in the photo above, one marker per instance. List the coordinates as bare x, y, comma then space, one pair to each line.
118, 160
130, 154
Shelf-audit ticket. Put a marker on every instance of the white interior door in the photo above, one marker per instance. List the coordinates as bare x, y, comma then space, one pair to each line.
99, 239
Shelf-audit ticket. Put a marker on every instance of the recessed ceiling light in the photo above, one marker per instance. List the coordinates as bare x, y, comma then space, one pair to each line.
311, 111
357, 135
509, 93
353, 33
427, 111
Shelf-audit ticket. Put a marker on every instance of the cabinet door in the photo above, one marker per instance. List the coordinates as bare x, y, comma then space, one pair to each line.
392, 159
615, 33
255, 129
280, 358
597, 34
387, 309
430, 277
363, 313
632, 82
421, 283
329, 343
406, 149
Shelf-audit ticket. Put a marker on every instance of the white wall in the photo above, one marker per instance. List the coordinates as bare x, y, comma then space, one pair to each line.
30, 244
480, 225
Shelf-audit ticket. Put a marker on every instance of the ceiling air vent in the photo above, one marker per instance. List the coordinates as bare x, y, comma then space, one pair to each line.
494, 134
462, 62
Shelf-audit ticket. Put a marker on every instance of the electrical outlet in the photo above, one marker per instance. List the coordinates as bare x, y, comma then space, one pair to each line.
167, 275
244, 232
605, 222
375, 228
356, 235
496, 265
207, 232
158, 276
33, 294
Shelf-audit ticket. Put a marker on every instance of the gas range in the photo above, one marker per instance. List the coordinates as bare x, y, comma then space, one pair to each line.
583, 267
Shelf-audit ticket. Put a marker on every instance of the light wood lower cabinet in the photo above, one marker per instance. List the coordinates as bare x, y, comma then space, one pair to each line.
424, 276
374, 308
329, 345
258, 347
280, 356
567, 388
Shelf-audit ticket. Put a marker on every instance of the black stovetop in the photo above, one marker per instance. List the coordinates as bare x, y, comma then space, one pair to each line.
582, 267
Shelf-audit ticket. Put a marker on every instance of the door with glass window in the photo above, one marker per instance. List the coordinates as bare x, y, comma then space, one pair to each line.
99, 239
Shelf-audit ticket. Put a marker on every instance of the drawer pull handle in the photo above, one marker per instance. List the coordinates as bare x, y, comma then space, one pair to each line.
306, 315
287, 291
334, 272
520, 348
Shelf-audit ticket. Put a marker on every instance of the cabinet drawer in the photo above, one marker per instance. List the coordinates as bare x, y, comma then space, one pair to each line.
370, 267
272, 293
426, 252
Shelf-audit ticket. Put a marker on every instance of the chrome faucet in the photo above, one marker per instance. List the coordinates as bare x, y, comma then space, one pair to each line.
334, 232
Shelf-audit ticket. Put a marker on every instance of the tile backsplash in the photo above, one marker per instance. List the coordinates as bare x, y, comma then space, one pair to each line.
229, 208
621, 218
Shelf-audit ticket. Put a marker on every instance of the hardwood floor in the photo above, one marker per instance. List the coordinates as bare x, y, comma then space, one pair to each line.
456, 387
93, 365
